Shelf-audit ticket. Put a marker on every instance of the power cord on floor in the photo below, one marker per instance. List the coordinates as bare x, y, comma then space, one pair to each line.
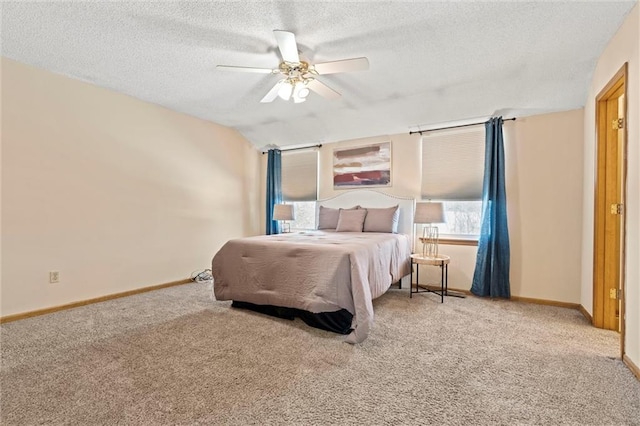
204, 277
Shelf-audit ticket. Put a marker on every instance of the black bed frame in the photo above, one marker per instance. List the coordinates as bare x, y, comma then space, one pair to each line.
337, 322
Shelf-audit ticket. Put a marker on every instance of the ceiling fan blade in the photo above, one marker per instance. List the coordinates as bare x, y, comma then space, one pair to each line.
245, 69
323, 90
287, 45
273, 93
345, 65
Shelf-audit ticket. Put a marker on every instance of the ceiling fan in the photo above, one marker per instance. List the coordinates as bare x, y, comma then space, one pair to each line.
299, 76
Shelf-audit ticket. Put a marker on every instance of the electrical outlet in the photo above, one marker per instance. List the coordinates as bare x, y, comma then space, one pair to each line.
54, 277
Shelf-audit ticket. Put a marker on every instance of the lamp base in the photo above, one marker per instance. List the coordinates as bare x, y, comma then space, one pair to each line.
430, 241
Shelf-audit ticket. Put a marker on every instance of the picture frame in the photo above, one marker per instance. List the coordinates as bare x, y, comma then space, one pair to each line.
362, 166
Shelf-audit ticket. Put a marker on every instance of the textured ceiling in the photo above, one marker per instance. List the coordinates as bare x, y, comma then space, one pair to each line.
430, 62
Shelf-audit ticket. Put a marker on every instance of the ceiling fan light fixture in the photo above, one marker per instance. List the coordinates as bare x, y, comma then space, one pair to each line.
303, 90
285, 91
300, 90
297, 74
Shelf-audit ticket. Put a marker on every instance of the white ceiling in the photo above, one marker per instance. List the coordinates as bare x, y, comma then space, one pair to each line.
430, 62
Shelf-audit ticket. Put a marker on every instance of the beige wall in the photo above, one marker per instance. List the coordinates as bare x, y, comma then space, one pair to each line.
544, 191
1, 186
623, 47
113, 192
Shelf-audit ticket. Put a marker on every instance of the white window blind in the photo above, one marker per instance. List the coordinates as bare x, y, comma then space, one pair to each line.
453, 164
300, 175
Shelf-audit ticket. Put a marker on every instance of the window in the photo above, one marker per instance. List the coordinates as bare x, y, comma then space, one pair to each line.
300, 186
452, 172
463, 218
305, 214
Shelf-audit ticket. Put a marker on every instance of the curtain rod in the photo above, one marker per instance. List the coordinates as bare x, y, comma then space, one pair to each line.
455, 127
295, 149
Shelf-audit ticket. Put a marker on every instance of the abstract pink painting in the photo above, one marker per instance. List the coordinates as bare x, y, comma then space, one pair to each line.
362, 166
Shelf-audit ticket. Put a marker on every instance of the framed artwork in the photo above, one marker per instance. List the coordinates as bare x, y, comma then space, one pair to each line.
363, 166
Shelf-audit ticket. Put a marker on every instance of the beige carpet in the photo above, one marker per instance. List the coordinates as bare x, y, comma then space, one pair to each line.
174, 356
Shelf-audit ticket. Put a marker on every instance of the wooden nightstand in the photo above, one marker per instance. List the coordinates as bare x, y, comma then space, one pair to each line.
440, 260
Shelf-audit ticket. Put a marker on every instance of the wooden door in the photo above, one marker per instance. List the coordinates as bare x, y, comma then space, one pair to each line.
608, 279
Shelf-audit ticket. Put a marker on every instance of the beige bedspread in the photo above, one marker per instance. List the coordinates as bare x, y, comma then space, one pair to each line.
314, 270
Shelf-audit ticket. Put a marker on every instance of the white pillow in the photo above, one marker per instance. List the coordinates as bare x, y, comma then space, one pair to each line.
351, 220
328, 217
382, 220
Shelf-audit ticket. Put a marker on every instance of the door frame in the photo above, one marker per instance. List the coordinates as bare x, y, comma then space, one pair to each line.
601, 127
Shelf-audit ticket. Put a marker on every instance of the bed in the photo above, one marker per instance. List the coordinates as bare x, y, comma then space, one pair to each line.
327, 277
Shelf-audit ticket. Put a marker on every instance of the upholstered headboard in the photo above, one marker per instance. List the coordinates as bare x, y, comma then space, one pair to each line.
374, 199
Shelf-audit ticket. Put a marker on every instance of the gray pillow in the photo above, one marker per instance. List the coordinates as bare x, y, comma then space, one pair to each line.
382, 220
351, 220
328, 217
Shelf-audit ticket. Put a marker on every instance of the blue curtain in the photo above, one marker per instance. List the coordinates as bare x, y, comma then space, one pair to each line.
274, 188
491, 276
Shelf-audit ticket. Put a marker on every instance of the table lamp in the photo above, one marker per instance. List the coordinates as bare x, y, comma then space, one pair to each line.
283, 213
429, 213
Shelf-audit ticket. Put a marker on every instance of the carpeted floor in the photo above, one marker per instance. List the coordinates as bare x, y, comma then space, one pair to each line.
174, 356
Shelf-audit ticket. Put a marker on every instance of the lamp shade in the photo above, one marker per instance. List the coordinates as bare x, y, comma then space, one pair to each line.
429, 213
283, 212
